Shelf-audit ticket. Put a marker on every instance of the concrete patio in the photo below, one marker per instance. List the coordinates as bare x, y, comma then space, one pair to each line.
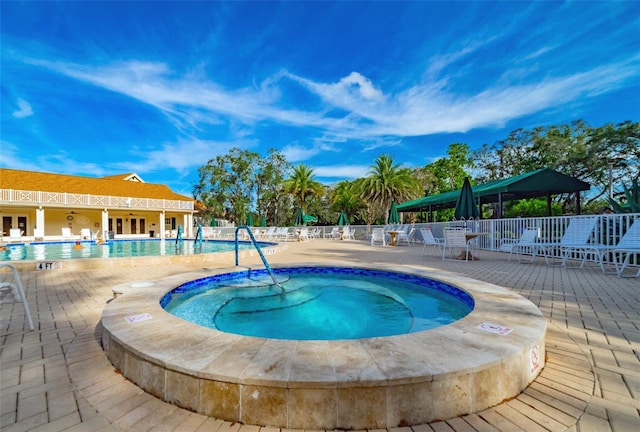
56, 378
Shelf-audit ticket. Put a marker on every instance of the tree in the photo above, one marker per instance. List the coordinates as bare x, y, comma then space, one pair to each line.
387, 182
346, 197
302, 185
271, 202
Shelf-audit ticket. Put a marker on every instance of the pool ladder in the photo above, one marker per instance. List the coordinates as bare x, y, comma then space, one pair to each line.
264, 260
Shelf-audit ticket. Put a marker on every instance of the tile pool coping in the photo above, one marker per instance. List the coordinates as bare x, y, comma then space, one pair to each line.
408, 379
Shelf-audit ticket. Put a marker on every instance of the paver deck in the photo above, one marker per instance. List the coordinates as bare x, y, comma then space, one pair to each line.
57, 378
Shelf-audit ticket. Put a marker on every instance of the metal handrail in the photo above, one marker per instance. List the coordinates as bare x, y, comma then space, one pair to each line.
264, 260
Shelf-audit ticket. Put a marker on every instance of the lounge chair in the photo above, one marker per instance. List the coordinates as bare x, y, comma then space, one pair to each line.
334, 234
621, 253
15, 234
577, 235
378, 236
455, 239
66, 233
430, 240
38, 233
86, 234
303, 235
405, 235
13, 292
347, 233
526, 244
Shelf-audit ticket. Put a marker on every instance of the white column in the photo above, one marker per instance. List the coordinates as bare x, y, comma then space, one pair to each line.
104, 228
162, 233
40, 218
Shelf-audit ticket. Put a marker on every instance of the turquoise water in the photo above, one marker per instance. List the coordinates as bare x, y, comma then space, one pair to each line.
319, 304
114, 249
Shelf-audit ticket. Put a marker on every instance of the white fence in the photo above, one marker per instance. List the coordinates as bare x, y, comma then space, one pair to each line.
497, 232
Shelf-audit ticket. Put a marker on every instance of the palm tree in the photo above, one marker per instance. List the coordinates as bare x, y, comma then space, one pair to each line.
301, 185
387, 182
346, 197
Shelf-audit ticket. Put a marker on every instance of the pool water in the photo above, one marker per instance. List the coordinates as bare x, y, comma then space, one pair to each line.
114, 249
319, 304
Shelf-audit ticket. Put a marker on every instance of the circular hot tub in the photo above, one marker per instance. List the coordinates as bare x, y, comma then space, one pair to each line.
489, 355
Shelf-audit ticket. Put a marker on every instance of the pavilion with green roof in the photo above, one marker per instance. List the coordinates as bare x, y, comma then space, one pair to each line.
542, 182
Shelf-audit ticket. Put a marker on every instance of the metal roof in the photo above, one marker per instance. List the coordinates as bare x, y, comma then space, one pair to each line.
541, 182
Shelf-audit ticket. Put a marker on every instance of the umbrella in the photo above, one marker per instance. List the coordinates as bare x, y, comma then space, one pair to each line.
309, 218
394, 218
466, 207
250, 220
343, 219
263, 221
214, 221
299, 217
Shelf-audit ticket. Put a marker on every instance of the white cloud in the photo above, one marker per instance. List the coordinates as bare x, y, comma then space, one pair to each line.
341, 171
24, 109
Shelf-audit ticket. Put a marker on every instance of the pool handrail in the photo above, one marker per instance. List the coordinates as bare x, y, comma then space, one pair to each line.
255, 244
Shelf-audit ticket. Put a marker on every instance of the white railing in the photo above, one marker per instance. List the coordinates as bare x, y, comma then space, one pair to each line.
12, 196
498, 232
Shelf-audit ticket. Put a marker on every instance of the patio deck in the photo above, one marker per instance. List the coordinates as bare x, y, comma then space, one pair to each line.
56, 378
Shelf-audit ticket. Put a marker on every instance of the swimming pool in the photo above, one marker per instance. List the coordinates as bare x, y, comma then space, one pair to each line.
319, 303
47, 251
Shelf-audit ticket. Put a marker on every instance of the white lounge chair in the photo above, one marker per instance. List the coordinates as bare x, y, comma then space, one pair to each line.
38, 233
15, 234
405, 235
13, 292
455, 239
347, 233
66, 233
334, 234
303, 235
526, 244
378, 236
621, 253
430, 240
85, 234
577, 234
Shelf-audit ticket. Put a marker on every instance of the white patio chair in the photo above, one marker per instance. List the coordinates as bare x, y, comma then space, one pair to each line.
455, 239
526, 244
303, 235
378, 236
347, 233
575, 237
334, 234
85, 234
430, 240
66, 233
15, 234
38, 234
405, 235
11, 291
621, 253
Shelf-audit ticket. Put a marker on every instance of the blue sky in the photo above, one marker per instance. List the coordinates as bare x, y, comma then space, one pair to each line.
159, 88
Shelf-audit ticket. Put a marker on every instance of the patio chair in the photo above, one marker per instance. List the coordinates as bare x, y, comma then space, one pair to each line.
378, 236
38, 233
455, 239
526, 244
621, 253
85, 234
405, 236
11, 291
347, 233
66, 233
430, 240
303, 235
577, 235
15, 234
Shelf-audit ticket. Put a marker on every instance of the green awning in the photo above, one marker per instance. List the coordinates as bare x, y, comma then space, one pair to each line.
542, 182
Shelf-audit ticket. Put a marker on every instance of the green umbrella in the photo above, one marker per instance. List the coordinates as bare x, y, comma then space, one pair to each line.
309, 218
213, 222
466, 207
250, 220
394, 218
299, 217
263, 221
343, 219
